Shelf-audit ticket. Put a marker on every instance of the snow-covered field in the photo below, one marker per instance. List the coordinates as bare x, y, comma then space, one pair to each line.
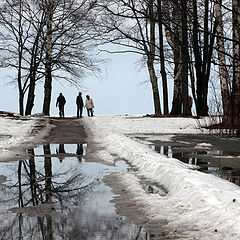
196, 206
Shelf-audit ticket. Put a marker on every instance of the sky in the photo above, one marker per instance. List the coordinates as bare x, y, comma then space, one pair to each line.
123, 88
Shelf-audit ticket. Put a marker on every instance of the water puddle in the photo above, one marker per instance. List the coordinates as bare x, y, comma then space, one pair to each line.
213, 154
58, 194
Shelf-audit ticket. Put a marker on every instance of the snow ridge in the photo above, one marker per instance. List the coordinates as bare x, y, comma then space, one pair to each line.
198, 205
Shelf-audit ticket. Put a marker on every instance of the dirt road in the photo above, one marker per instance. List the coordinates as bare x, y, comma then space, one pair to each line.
66, 131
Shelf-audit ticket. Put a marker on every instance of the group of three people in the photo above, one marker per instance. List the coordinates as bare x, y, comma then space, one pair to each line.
61, 101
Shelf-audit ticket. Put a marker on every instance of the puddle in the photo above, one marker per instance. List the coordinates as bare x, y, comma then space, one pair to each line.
213, 154
57, 194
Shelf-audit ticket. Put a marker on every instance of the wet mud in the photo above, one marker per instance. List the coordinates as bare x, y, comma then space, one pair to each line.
67, 131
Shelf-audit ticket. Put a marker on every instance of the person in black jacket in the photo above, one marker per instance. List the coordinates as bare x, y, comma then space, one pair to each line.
60, 103
79, 102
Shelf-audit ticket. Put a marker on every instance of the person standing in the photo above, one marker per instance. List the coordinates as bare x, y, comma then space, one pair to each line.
89, 106
190, 103
79, 102
60, 103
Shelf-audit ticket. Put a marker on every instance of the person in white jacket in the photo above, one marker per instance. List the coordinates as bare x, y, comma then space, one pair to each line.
89, 106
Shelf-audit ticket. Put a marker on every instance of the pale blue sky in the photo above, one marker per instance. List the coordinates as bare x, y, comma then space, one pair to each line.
120, 91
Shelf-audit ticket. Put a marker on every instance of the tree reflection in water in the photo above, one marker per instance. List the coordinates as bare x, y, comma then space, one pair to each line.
37, 195
51, 200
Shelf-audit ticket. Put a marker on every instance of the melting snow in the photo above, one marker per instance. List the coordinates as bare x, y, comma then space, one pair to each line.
198, 205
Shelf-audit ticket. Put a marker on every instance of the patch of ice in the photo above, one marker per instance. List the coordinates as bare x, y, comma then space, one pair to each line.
203, 146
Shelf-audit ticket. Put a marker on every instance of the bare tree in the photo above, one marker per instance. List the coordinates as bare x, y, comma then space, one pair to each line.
203, 37
236, 65
50, 7
184, 59
50, 40
132, 25
229, 62
173, 33
13, 37
223, 71
150, 57
35, 50
162, 57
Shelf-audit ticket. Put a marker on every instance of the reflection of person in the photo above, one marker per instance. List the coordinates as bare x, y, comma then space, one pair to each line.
89, 106
79, 151
60, 103
60, 150
79, 102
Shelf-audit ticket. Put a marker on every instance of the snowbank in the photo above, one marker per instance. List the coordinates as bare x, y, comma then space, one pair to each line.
198, 205
17, 132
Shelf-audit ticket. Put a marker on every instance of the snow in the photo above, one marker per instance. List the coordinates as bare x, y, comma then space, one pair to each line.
203, 146
196, 206
15, 132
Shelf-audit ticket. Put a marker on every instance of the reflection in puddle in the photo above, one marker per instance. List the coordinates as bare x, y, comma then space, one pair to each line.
221, 163
57, 194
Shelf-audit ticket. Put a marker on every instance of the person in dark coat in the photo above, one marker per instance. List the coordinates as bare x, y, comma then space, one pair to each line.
79, 102
60, 103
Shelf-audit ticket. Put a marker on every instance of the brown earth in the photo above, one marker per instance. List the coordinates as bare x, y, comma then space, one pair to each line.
67, 131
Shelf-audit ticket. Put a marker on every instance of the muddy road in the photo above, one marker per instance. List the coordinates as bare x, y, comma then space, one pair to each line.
67, 131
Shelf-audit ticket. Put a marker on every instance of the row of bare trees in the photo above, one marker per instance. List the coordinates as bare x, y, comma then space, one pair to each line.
45, 40
182, 40
174, 35
177, 39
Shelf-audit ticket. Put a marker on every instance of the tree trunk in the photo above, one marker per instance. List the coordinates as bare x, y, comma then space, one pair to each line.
198, 60
153, 79
223, 71
150, 61
32, 84
177, 91
20, 56
20, 196
48, 63
202, 55
207, 62
184, 59
31, 96
236, 65
32, 175
48, 188
162, 60
32, 75
48, 173
204, 108
20, 102
173, 38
